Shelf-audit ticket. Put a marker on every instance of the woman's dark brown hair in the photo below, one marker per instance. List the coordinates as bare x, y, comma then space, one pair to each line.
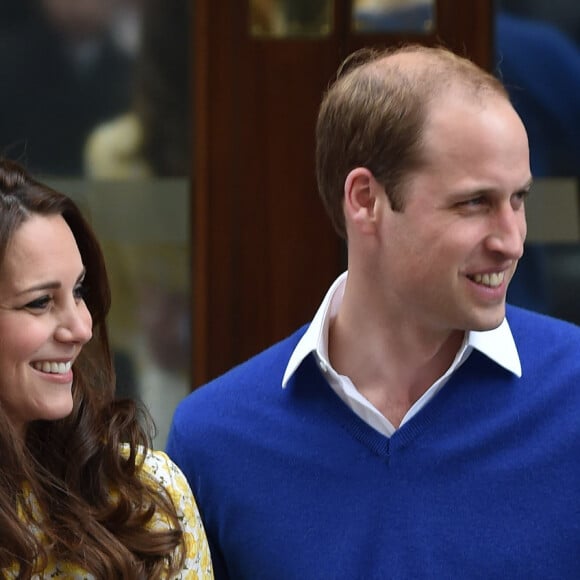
71, 466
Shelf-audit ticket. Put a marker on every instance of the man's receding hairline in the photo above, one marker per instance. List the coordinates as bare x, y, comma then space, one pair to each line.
374, 61
436, 66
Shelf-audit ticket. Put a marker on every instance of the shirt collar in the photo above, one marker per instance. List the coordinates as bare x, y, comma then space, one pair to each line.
497, 344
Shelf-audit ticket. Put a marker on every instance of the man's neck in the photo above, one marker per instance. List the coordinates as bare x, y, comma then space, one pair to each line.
391, 366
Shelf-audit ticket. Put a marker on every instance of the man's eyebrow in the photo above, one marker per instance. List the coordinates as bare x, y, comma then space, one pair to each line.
528, 185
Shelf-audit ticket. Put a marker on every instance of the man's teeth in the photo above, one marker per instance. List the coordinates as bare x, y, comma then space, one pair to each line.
492, 280
52, 367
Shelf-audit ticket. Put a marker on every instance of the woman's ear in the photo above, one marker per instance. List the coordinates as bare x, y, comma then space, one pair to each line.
360, 200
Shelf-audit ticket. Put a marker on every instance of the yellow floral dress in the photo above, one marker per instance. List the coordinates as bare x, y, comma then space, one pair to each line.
164, 472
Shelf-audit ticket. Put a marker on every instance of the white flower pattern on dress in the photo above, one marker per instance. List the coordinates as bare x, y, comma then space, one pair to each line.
163, 472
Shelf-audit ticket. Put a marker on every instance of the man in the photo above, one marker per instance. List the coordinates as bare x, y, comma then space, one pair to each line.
412, 430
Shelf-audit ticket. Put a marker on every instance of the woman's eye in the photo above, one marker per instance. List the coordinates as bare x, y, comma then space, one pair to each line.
80, 291
39, 304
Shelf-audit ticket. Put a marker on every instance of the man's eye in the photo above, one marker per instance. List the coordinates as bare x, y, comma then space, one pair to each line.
475, 201
520, 196
39, 304
472, 203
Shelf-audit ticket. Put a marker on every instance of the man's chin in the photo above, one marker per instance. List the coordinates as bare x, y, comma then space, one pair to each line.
488, 318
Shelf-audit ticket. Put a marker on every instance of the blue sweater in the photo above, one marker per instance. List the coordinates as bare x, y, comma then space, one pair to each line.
484, 482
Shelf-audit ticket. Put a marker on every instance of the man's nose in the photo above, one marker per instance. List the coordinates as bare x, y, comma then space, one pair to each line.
508, 233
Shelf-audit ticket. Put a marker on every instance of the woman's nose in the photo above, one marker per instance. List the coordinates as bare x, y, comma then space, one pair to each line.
76, 324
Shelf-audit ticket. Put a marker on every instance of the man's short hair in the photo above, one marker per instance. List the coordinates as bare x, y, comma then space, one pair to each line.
374, 115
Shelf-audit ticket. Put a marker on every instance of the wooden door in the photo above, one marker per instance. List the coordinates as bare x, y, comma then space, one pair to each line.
263, 251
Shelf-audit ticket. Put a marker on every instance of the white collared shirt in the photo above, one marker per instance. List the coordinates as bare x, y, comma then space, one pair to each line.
497, 344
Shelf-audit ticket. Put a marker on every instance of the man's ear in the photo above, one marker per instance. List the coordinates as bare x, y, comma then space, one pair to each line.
360, 200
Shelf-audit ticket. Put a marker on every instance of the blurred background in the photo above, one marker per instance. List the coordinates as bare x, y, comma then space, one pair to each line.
96, 101
184, 129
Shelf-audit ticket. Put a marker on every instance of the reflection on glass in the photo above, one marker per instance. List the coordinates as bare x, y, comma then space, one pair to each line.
290, 18
548, 280
146, 237
538, 60
63, 71
537, 56
143, 227
151, 137
548, 276
395, 16
96, 92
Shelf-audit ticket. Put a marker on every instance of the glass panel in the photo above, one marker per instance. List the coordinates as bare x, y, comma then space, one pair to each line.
395, 16
95, 93
144, 230
537, 55
291, 18
548, 276
63, 71
548, 280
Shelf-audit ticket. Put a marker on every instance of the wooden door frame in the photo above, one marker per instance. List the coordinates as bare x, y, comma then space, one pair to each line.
256, 274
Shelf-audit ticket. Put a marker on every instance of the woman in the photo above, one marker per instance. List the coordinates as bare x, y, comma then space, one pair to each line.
82, 495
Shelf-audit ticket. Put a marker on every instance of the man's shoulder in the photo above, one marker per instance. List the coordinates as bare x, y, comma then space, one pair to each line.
545, 341
262, 371
240, 402
541, 326
269, 364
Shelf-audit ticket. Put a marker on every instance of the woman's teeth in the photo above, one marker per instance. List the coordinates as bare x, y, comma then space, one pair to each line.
59, 368
492, 280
